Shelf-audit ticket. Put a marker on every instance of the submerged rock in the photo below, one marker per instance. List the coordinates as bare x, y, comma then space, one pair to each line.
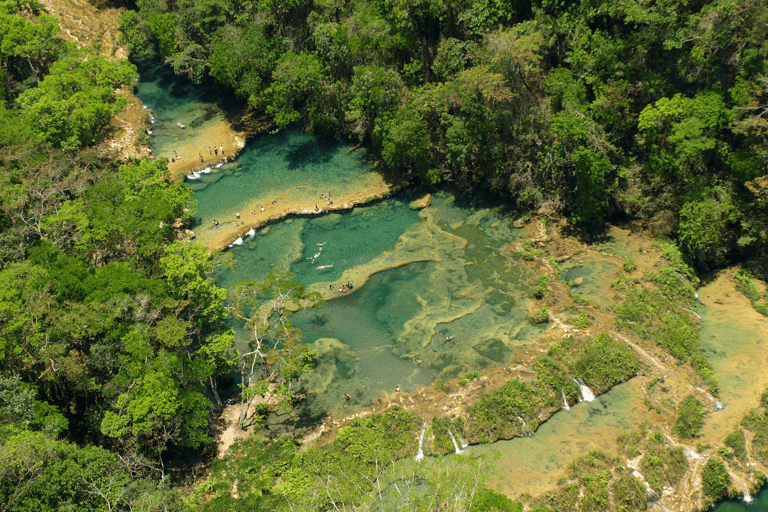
578, 281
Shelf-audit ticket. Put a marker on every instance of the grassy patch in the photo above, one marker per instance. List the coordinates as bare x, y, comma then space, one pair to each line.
581, 320
606, 362
715, 479
663, 465
661, 311
736, 444
541, 316
690, 418
540, 290
757, 422
596, 482
749, 287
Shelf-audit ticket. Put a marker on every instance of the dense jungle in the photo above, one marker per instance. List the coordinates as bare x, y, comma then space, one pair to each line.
120, 348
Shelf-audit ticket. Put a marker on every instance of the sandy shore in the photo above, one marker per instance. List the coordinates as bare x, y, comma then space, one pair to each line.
217, 135
220, 237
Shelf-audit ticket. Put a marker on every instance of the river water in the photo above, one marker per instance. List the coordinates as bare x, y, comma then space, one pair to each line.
434, 295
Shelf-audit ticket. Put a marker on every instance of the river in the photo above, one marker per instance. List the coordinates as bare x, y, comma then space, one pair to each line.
435, 296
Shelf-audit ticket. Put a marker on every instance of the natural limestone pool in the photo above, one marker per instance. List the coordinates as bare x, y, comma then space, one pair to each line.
436, 294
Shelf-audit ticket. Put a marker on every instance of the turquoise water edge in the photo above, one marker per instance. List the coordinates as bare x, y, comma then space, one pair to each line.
434, 295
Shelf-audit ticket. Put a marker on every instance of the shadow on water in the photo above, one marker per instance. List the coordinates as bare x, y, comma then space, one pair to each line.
308, 153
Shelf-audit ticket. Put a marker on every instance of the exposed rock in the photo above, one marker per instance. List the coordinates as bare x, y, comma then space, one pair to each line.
519, 224
578, 281
418, 204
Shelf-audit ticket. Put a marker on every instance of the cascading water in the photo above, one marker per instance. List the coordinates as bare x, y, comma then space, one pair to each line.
566, 407
420, 453
526, 431
747, 497
455, 444
586, 393
464, 444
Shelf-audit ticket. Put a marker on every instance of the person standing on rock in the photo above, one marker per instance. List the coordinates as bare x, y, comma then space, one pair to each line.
221, 147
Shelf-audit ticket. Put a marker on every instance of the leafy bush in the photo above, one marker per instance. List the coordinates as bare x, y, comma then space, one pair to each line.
499, 410
736, 442
606, 362
715, 479
541, 316
486, 500
749, 287
690, 418
581, 320
663, 466
540, 290
629, 493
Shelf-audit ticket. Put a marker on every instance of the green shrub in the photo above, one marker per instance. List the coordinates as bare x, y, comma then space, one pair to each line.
442, 443
629, 493
472, 376
540, 290
628, 266
581, 320
500, 409
715, 479
749, 287
663, 466
606, 362
690, 418
736, 442
541, 316
486, 500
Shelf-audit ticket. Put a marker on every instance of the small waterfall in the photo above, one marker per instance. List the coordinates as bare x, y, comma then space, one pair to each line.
586, 393
747, 497
239, 241
464, 444
251, 232
566, 407
526, 431
207, 170
420, 454
455, 444
718, 405
577, 383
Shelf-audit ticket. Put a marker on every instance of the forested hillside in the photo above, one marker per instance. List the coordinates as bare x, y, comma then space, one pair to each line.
113, 337
600, 109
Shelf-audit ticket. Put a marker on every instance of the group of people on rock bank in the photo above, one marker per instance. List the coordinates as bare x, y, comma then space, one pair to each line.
212, 151
344, 288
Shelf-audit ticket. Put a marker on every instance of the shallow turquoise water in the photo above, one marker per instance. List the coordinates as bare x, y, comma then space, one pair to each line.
759, 503
173, 99
287, 167
423, 276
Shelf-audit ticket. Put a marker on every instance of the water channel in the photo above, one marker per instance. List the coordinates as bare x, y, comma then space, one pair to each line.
434, 295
